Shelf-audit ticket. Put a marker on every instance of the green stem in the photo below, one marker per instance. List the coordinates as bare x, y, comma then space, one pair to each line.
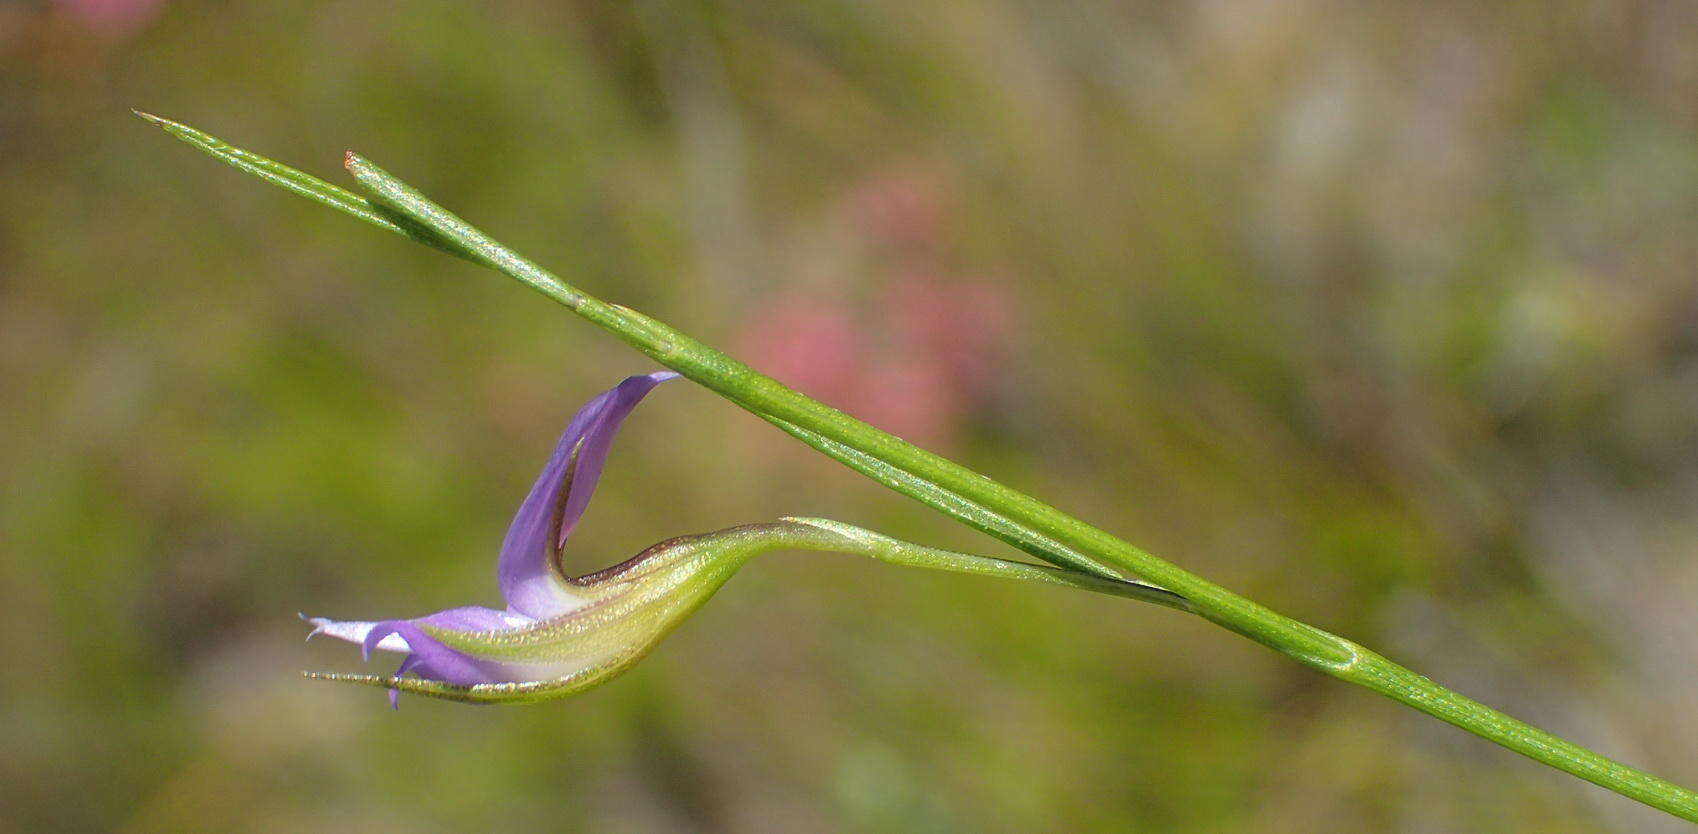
847, 538
1374, 672
1364, 667
772, 400
949, 487
949, 503
938, 482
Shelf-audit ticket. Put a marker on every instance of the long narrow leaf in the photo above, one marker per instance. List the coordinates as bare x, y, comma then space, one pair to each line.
307, 185
950, 503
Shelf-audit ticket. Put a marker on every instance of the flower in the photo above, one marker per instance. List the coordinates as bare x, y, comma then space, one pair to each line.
918, 361
917, 345
559, 634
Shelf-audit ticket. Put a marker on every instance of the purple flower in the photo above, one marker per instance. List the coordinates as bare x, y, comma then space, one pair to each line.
558, 634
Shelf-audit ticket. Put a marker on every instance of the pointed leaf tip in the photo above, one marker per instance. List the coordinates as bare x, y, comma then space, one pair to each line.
149, 117
354, 162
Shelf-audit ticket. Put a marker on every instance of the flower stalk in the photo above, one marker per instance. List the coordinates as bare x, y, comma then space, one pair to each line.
955, 490
631, 606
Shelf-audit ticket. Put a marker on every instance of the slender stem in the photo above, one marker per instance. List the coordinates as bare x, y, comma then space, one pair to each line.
934, 480
966, 495
847, 538
771, 399
384, 217
1398, 683
781, 405
949, 503
1364, 668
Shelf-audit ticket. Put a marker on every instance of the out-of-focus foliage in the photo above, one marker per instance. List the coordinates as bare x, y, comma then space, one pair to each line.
1384, 314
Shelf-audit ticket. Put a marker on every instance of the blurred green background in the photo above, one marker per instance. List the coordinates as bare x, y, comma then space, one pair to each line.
1382, 314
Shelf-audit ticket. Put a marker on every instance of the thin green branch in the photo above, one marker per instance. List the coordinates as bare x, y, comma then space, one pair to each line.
847, 538
942, 484
949, 503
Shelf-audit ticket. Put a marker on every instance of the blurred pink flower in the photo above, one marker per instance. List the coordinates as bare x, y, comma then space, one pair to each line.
915, 365
922, 354
810, 342
915, 399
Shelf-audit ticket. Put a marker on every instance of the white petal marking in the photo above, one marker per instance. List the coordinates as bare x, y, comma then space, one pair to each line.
355, 632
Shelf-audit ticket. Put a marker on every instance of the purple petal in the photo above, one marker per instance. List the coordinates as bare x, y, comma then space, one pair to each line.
474, 618
466, 618
353, 631
529, 580
430, 658
408, 663
425, 654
